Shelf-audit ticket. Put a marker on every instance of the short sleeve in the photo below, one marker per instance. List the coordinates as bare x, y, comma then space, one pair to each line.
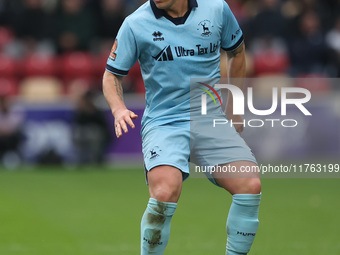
232, 36
124, 52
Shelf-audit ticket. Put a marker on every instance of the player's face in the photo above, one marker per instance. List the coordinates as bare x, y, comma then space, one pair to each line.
165, 4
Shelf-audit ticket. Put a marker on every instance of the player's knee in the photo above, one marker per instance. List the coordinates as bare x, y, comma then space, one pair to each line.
255, 186
249, 186
165, 193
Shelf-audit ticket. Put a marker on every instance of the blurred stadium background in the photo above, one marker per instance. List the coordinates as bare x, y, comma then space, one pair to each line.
53, 54
56, 132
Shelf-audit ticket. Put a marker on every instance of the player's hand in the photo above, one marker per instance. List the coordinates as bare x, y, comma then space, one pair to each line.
237, 122
122, 119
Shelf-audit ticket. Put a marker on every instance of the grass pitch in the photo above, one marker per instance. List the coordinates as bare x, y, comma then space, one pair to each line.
98, 212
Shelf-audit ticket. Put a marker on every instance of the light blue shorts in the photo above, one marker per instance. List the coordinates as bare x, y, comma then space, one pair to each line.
178, 143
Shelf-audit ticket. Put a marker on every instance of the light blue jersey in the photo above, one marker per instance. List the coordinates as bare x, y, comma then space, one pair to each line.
173, 50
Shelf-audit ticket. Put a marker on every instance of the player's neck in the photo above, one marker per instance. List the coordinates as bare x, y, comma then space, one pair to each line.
178, 9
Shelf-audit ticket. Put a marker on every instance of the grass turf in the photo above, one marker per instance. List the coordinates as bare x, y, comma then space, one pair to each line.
98, 212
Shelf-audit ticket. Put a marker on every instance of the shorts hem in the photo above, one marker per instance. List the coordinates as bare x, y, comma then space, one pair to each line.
184, 173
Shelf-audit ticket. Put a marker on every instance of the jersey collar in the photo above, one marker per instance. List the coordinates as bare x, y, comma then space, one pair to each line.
160, 13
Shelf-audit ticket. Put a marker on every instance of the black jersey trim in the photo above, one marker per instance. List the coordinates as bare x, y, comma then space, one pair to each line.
177, 21
236, 45
116, 71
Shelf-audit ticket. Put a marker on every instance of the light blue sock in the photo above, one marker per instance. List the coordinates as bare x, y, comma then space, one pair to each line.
242, 223
155, 226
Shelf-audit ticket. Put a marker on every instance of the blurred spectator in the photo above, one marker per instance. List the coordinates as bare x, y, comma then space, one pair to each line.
277, 32
110, 18
11, 121
269, 22
238, 10
31, 21
333, 37
295, 9
4, 12
270, 56
308, 50
6, 38
132, 5
75, 26
49, 5
91, 131
333, 41
33, 27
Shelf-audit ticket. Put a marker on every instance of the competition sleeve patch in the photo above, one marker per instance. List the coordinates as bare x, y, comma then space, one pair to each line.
113, 54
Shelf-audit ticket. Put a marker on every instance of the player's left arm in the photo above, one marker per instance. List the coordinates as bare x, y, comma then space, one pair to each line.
236, 73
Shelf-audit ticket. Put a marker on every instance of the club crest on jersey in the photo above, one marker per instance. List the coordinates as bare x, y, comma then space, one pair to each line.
204, 26
113, 54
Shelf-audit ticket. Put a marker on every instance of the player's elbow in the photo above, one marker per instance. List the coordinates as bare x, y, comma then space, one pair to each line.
110, 78
106, 76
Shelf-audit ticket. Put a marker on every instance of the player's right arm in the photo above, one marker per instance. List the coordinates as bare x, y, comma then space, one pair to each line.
123, 56
113, 92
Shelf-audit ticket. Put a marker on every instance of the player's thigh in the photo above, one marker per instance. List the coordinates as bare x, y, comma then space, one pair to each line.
165, 183
239, 177
166, 151
225, 148
167, 145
